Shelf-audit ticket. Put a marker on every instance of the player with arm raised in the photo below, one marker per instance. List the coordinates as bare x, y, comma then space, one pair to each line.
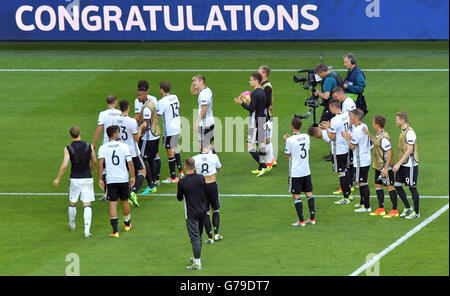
208, 164
116, 157
82, 157
359, 142
297, 150
169, 108
339, 123
129, 134
382, 162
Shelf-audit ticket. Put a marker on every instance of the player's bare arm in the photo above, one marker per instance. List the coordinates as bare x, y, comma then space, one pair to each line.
389, 156
371, 137
63, 167
403, 158
137, 136
97, 135
348, 137
93, 159
131, 171
101, 184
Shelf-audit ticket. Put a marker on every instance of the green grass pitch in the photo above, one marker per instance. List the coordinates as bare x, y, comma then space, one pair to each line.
38, 108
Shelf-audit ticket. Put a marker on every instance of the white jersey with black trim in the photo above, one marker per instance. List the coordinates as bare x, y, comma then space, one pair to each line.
106, 119
361, 154
205, 98
169, 108
297, 146
410, 139
207, 164
348, 105
128, 127
116, 155
338, 124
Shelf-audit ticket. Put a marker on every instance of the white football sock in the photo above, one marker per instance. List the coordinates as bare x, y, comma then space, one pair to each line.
269, 151
87, 219
72, 215
197, 261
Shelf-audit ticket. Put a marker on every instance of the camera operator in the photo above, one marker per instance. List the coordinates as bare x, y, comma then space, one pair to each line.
355, 82
330, 80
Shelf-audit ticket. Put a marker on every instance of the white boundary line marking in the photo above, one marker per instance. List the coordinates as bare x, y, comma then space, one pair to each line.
400, 241
174, 194
206, 70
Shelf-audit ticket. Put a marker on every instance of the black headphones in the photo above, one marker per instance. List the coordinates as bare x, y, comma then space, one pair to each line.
352, 59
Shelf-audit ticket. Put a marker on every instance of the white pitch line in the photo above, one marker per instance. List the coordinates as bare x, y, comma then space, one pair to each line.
400, 241
206, 70
174, 194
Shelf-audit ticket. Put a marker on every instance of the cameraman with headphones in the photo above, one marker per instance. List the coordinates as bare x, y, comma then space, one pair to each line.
330, 80
355, 82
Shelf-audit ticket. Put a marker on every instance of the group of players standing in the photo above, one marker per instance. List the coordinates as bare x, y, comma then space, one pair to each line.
353, 150
131, 147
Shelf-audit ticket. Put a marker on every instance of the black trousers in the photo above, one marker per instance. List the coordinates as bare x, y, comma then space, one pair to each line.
193, 228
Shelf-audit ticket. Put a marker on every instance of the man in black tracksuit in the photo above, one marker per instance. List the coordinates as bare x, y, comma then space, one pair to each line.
193, 189
256, 104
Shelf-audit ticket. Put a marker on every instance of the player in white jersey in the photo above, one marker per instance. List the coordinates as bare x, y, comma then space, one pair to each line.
359, 142
169, 108
297, 150
205, 121
339, 123
129, 134
208, 164
116, 157
149, 143
347, 105
106, 119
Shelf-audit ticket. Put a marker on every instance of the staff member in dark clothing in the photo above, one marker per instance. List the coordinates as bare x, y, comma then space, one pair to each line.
82, 156
193, 189
256, 104
355, 82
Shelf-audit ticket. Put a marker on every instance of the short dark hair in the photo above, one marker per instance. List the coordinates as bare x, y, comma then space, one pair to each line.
312, 130
74, 131
321, 68
111, 99
337, 89
403, 115
358, 113
296, 123
380, 121
189, 163
257, 76
165, 86
124, 104
143, 85
111, 130
335, 103
200, 77
265, 70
